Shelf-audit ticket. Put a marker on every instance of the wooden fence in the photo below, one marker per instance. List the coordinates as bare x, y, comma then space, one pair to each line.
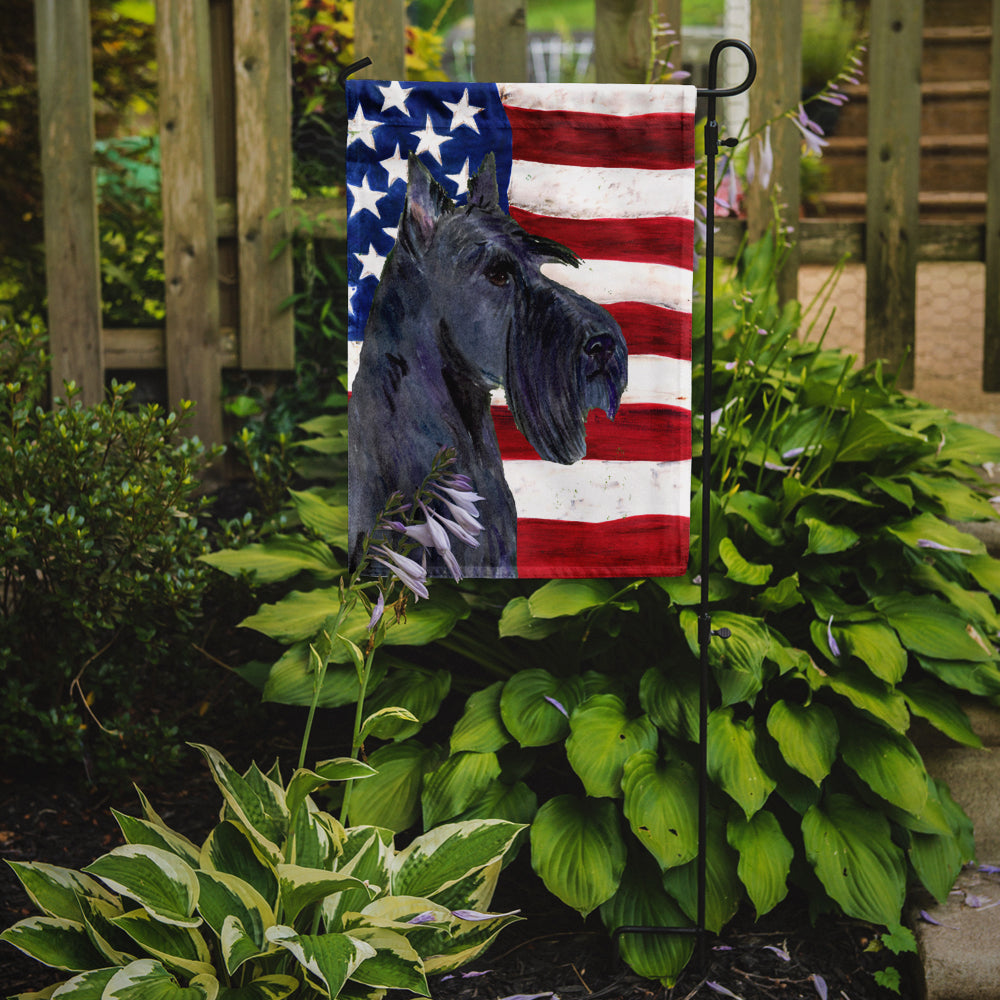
226, 160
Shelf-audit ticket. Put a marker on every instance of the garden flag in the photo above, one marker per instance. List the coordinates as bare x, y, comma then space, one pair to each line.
520, 280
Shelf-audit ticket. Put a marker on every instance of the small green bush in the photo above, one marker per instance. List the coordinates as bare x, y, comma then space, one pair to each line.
100, 583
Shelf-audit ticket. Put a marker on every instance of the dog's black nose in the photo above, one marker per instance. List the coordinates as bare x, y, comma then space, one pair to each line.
599, 349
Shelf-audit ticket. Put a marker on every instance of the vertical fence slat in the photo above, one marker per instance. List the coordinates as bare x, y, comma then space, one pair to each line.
72, 257
776, 34
190, 253
668, 12
893, 183
261, 57
501, 40
621, 40
380, 34
991, 332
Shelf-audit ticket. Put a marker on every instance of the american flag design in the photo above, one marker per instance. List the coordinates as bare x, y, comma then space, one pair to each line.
608, 171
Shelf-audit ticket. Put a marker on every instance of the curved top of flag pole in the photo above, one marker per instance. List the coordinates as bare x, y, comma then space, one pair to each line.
352, 68
712, 91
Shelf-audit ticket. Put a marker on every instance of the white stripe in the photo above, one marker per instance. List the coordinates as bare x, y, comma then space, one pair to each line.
600, 192
607, 281
601, 98
599, 491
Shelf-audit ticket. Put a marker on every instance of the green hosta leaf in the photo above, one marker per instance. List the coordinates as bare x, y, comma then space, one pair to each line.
827, 539
558, 598
54, 941
602, 738
481, 728
723, 889
528, 710
765, 858
976, 605
260, 809
299, 615
641, 901
230, 849
684, 593
578, 851
456, 784
395, 964
888, 763
876, 646
738, 661
758, 511
292, 680
661, 798
180, 948
870, 435
331, 959
438, 859
783, 595
159, 881
279, 558
415, 689
225, 897
957, 501
325, 519
391, 798
937, 859
932, 628
807, 736
386, 723
893, 488
751, 574
142, 831
274, 987
941, 709
865, 692
986, 571
56, 891
732, 760
976, 678
301, 887
928, 528
517, 620
671, 699
147, 979
965, 443
516, 803
850, 848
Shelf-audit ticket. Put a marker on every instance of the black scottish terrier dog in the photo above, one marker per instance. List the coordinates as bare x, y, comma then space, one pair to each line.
462, 308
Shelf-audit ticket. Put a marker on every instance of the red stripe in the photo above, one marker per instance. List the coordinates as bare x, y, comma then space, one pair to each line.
651, 329
640, 432
649, 545
582, 139
654, 240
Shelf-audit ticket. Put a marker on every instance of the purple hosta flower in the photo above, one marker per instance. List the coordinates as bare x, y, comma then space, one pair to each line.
780, 952
719, 988
377, 612
990, 869
558, 705
475, 915
410, 573
427, 917
834, 648
927, 543
761, 163
820, 983
727, 198
811, 132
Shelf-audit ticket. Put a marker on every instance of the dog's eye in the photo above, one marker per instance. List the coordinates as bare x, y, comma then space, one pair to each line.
498, 274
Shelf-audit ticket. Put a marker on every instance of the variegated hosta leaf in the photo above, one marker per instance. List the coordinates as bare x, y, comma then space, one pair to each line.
367, 853
304, 782
230, 849
54, 941
642, 902
661, 799
765, 858
465, 942
256, 801
481, 727
141, 831
850, 847
158, 880
476, 890
273, 987
441, 857
177, 947
578, 851
116, 946
535, 706
300, 887
732, 760
315, 838
395, 964
225, 897
888, 763
807, 736
147, 979
329, 959
56, 891
86, 986
602, 737
456, 784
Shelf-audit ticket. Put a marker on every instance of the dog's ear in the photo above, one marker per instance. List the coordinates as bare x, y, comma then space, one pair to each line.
483, 191
426, 202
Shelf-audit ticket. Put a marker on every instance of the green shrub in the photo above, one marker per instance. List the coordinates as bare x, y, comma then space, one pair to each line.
99, 541
280, 899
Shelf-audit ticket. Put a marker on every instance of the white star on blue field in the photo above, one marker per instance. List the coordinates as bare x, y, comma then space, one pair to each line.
450, 127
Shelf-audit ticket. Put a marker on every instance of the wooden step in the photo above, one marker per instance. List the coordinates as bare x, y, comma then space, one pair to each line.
939, 13
957, 206
956, 53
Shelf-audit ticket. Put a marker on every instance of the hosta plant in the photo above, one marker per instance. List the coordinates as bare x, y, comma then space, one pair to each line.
279, 900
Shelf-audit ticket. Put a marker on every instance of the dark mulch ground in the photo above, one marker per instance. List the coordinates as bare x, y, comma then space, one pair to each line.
550, 952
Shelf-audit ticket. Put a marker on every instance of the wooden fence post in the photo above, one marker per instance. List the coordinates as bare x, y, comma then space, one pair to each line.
72, 255
991, 332
190, 251
501, 41
893, 183
262, 60
776, 35
622, 40
380, 34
